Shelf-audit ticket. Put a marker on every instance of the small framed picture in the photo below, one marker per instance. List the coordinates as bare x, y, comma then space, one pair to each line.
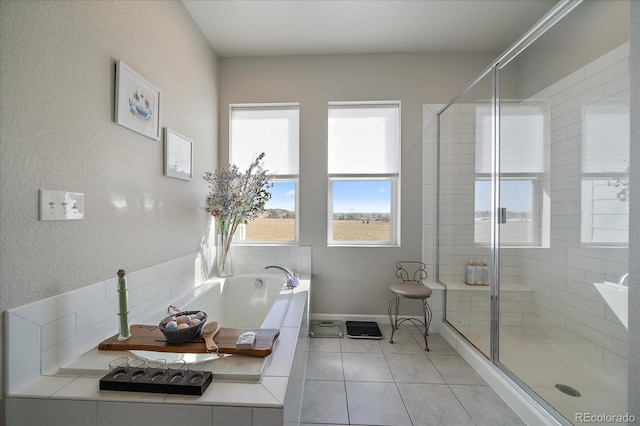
137, 102
178, 155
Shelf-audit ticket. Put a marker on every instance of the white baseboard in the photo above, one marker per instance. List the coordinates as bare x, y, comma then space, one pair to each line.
380, 319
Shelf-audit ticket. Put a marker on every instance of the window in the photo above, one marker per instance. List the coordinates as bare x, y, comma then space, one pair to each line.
521, 174
364, 173
275, 130
605, 173
518, 197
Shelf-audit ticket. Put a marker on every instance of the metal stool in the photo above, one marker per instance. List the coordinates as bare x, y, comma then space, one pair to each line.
411, 287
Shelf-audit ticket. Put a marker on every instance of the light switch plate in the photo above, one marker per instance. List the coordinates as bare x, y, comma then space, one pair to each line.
61, 205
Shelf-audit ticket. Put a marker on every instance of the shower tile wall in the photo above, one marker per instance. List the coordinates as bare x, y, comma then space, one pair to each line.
562, 271
457, 198
563, 274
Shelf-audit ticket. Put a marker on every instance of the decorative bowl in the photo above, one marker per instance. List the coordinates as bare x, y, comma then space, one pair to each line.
182, 335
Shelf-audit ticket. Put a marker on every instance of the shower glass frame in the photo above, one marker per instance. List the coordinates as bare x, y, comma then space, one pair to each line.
555, 15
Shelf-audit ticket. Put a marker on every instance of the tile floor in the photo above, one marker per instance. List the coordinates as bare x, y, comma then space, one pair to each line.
557, 360
374, 382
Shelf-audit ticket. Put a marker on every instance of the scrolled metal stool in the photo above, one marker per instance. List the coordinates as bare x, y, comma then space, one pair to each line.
412, 274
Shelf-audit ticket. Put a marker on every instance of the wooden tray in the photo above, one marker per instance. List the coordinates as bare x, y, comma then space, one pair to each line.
150, 338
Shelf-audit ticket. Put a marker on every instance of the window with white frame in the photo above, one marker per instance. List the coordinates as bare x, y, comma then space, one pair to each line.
364, 173
522, 168
275, 130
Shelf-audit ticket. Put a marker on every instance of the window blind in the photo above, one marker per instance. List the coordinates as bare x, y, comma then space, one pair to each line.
363, 139
273, 130
521, 139
605, 137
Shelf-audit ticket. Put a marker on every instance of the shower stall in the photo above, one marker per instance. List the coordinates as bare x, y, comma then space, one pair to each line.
533, 179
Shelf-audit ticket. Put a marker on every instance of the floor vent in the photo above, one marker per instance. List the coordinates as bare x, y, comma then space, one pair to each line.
567, 390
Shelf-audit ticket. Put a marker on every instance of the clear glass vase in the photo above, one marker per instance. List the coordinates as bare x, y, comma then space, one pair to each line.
223, 258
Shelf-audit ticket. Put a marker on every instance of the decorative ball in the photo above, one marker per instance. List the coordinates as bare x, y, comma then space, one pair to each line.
182, 327
167, 320
200, 315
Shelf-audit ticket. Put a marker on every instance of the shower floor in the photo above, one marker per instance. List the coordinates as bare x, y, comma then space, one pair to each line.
542, 360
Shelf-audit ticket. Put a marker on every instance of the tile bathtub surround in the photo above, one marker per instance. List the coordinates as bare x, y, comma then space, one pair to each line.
45, 334
62, 327
275, 400
374, 382
254, 258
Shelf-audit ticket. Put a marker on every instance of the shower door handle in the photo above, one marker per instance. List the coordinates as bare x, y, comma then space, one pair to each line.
502, 215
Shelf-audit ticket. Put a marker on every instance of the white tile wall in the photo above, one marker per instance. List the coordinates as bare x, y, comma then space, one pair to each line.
565, 294
255, 258
51, 413
561, 276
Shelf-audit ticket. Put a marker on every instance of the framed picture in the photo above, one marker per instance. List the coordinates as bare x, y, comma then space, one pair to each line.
137, 102
178, 155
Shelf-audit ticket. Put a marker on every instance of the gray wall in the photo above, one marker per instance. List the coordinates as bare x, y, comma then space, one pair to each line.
57, 76
345, 279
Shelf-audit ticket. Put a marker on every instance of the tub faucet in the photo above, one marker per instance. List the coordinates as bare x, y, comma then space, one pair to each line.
623, 279
292, 281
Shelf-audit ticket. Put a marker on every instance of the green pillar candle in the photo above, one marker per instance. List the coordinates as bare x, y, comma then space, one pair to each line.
123, 314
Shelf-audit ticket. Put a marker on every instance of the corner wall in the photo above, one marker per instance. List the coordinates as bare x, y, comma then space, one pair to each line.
57, 131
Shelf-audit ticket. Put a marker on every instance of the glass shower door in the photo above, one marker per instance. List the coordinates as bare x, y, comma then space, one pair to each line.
563, 170
464, 212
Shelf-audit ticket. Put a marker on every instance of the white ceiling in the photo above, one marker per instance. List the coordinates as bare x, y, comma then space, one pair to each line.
311, 27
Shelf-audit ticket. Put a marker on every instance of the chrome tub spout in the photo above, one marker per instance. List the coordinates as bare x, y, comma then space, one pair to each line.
292, 281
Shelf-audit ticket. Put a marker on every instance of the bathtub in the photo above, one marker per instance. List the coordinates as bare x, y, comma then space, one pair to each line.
251, 301
259, 390
245, 301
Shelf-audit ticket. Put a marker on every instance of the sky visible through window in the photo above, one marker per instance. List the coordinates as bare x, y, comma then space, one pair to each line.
362, 196
283, 196
375, 197
348, 196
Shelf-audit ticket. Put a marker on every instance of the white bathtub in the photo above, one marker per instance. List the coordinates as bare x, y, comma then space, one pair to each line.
250, 301
245, 301
43, 383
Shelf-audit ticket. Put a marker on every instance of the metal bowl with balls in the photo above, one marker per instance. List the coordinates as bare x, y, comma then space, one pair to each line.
182, 326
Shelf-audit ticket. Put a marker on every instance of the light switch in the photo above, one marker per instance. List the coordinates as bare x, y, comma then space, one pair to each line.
61, 205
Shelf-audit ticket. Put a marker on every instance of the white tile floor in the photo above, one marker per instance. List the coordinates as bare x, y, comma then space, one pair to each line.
602, 389
374, 382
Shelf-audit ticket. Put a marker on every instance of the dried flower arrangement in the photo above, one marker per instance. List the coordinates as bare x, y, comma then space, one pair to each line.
234, 199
